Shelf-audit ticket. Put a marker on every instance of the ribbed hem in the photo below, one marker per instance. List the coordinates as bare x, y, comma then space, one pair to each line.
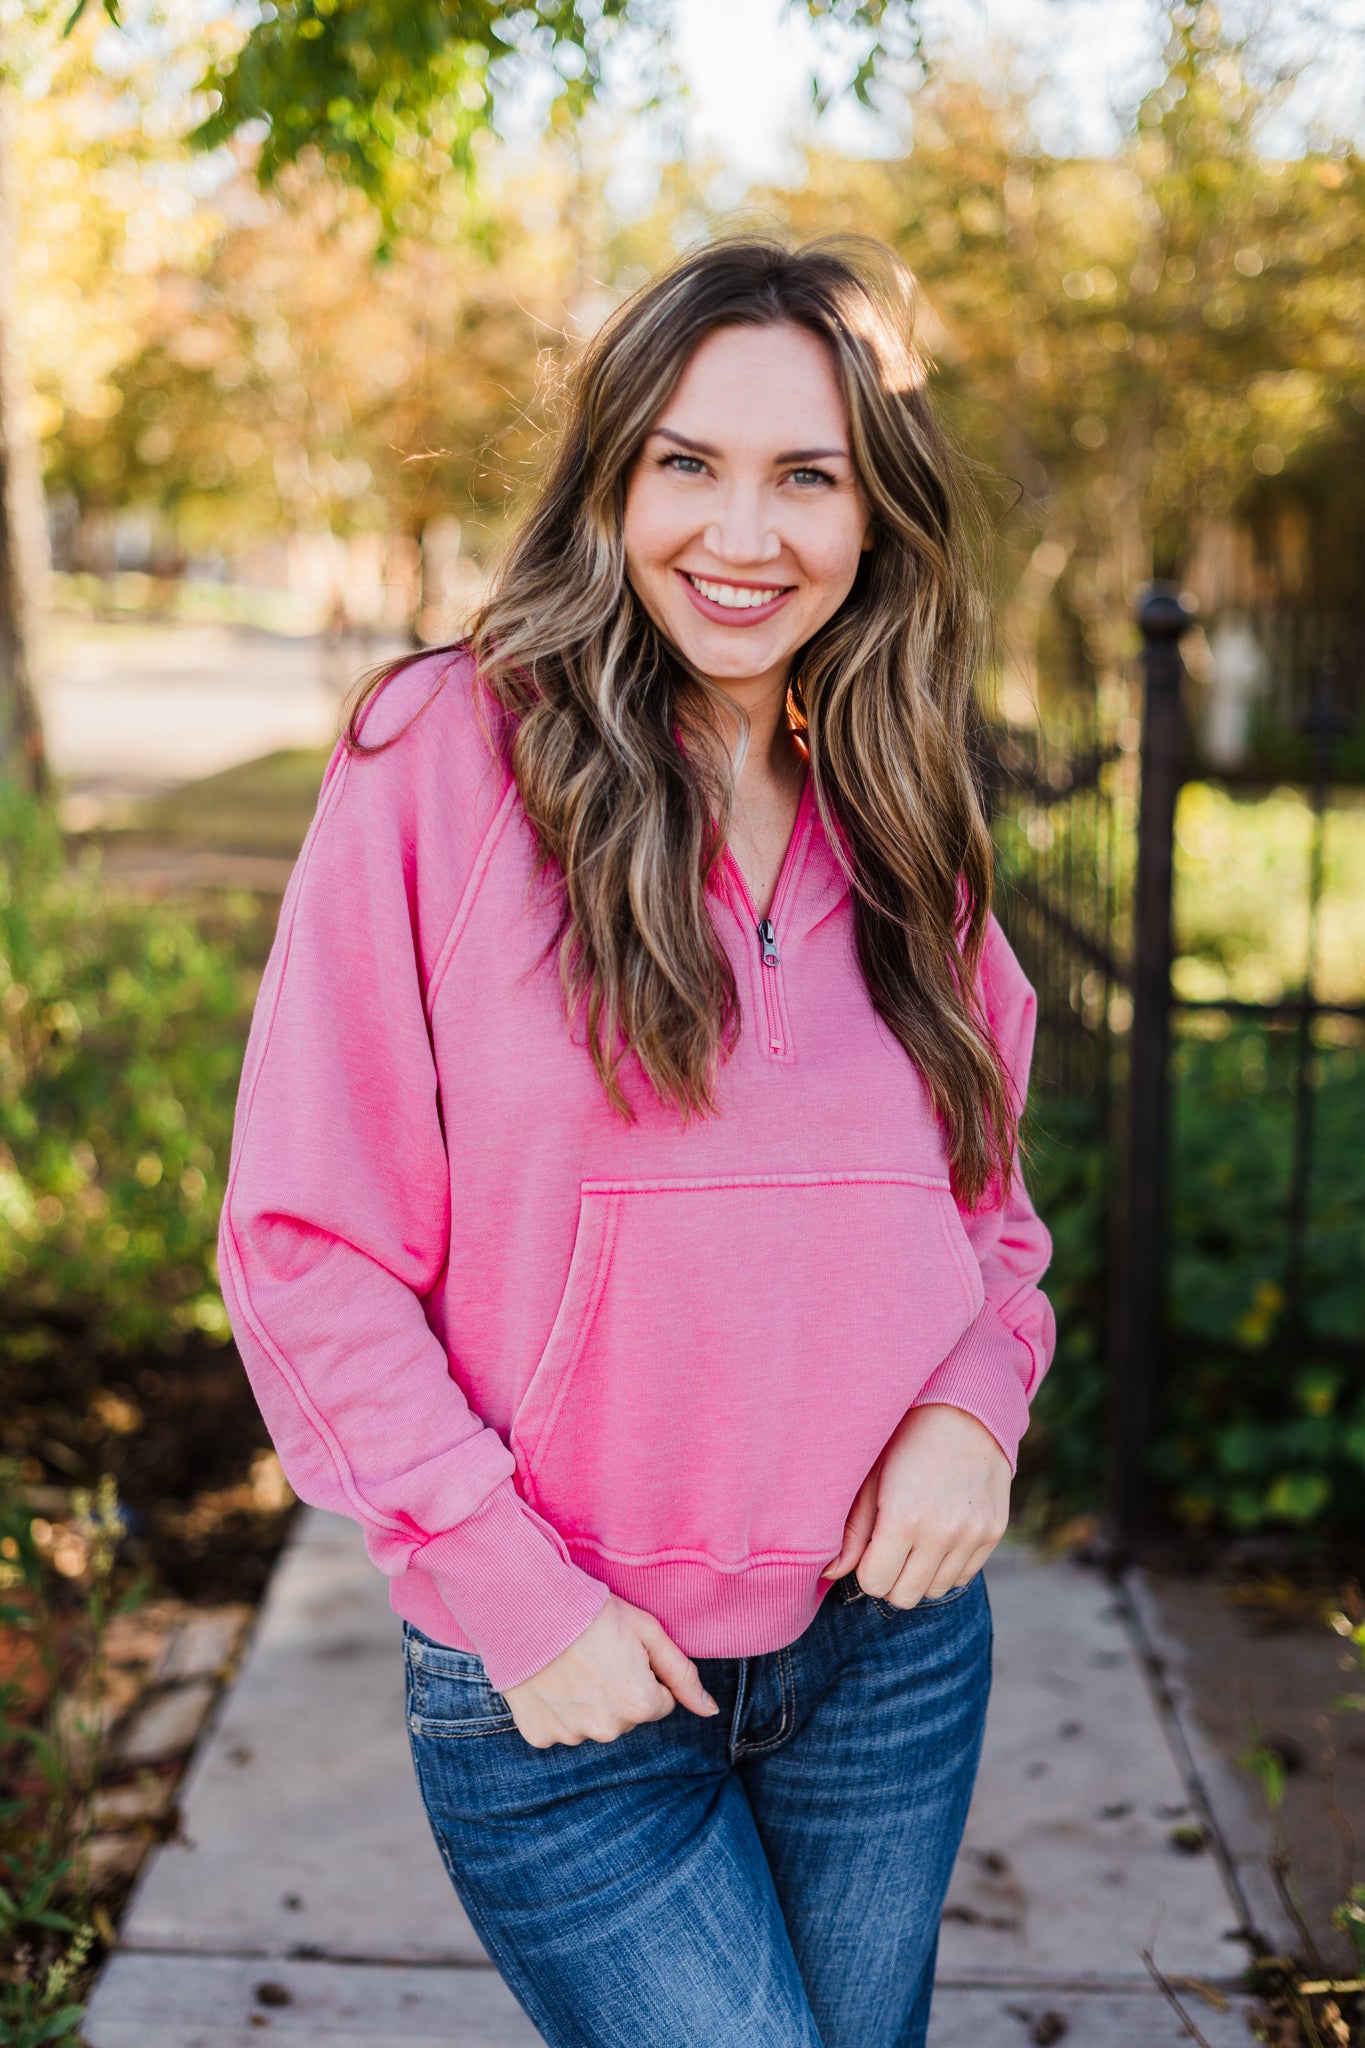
505, 1578
708, 1613
711, 1613
985, 1374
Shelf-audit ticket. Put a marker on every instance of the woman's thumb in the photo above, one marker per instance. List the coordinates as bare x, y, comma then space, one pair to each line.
862, 1519
677, 1672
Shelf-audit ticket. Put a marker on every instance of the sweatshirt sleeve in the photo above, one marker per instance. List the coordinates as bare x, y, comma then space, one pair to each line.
996, 1365
335, 1230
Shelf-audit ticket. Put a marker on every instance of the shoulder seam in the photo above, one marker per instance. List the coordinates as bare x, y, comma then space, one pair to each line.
482, 861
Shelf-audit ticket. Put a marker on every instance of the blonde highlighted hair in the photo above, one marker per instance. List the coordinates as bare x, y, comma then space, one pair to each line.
632, 821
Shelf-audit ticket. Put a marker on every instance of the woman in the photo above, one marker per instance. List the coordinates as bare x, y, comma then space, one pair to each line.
625, 1224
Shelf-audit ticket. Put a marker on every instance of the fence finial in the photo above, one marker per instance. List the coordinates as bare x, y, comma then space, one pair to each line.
1165, 612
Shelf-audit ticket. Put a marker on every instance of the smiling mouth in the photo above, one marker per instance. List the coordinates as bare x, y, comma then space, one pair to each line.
737, 597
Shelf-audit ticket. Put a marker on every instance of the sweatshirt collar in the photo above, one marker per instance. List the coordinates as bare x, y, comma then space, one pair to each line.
815, 882
822, 884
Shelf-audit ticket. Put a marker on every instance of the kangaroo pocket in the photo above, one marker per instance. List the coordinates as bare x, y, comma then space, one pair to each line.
730, 1355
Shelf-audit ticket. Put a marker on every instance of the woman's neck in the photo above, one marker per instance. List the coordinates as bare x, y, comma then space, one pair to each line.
767, 791
772, 759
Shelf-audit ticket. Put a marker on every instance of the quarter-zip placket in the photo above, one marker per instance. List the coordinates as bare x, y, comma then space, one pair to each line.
777, 1038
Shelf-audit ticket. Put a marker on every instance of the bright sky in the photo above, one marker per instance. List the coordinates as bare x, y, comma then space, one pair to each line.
747, 63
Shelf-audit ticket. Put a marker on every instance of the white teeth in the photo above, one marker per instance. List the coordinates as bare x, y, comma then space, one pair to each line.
734, 597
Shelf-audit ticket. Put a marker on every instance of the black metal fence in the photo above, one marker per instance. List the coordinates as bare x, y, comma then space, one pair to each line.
1085, 821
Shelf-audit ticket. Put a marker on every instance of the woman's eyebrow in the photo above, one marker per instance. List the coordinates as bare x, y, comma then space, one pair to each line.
790, 455
684, 441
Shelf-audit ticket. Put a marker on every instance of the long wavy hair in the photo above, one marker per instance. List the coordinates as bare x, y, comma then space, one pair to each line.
624, 757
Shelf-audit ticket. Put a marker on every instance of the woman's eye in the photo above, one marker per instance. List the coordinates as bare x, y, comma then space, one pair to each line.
809, 478
686, 465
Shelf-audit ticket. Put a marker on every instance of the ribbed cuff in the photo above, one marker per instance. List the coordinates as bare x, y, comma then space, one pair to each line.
512, 1587
985, 1374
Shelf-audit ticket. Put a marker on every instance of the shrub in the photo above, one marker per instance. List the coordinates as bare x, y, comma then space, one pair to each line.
1062, 1459
1264, 1413
54, 1602
1261, 1419
122, 1025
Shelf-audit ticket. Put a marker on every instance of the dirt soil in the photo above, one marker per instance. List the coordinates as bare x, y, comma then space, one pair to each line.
1264, 1666
201, 1491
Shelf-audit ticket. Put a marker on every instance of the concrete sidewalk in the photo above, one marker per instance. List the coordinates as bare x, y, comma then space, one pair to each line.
306, 1901
139, 707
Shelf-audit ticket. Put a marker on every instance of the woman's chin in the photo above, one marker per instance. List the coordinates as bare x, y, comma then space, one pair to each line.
730, 654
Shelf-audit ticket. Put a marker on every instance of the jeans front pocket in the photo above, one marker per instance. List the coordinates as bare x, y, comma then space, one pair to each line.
928, 1603
448, 1693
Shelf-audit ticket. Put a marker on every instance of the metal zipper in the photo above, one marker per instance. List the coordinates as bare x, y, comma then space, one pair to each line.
767, 941
766, 929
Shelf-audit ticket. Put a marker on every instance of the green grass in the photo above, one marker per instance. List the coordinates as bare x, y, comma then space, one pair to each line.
1241, 899
260, 807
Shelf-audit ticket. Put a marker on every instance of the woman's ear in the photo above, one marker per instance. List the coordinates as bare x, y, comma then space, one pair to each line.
868, 538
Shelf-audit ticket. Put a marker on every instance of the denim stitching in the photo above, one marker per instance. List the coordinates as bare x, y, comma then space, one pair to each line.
786, 1679
460, 1731
487, 1935
924, 1605
738, 1745
466, 1729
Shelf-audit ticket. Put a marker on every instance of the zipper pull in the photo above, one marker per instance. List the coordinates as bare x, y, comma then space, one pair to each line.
767, 938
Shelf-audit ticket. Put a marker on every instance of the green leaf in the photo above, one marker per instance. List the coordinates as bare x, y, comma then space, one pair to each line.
1316, 1390
62, 2023
1267, 1766
111, 8
1298, 1496
406, 63
57, 1921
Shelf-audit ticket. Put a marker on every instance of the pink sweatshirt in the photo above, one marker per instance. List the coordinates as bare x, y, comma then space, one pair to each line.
541, 1353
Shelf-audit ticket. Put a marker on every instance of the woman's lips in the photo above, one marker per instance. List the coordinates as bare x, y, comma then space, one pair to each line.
727, 615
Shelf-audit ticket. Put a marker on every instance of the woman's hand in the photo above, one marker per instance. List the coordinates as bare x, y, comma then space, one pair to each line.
931, 1510
621, 1671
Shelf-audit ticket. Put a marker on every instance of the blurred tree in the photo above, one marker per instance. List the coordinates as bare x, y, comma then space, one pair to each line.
370, 82
290, 382
375, 89
94, 139
1141, 342
109, 214
22, 532
284, 379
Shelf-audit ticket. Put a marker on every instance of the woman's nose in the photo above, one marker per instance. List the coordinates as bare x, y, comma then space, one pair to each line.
742, 533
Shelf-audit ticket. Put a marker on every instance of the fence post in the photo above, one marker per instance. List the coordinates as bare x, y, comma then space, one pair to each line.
1138, 1293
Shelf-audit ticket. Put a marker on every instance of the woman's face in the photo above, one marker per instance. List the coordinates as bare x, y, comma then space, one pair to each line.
744, 520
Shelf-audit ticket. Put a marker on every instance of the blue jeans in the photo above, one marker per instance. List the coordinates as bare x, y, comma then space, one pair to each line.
769, 1878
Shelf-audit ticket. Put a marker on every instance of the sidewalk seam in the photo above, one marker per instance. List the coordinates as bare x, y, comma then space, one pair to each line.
1198, 1763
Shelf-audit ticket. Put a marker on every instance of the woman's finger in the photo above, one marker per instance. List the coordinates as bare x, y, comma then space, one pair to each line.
888, 1549
862, 1517
676, 1672
954, 1569
979, 1559
915, 1577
